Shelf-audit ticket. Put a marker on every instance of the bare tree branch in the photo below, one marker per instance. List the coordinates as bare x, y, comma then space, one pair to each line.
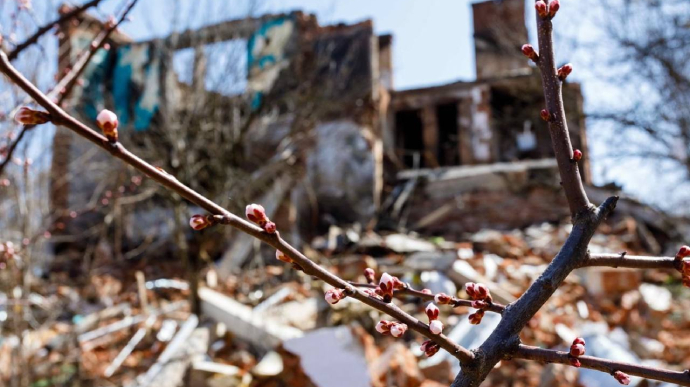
631, 261
609, 366
46, 28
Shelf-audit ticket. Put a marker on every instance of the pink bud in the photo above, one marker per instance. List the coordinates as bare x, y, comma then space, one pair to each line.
545, 115
430, 348
574, 362
334, 295
541, 8
108, 123
683, 252
471, 289
479, 304
443, 299
270, 227
621, 377
529, 52
579, 340
398, 329
383, 327
256, 213
564, 71
554, 6
432, 311
577, 155
282, 257
27, 116
482, 292
386, 284
397, 284
436, 327
199, 222
685, 268
370, 275
427, 291
476, 318
577, 350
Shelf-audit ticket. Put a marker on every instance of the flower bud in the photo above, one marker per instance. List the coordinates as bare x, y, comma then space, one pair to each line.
621, 377
564, 71
384, 327
529, 52
334, 295
476, 318
579, 340
545, 115
199, 222
386, 284
27, 116
427, 291
482, 292
683, 252
397, 284
257, 214
108, 123
443, 299
685, 267
431, 312
577, 155
398, 329
430, 348
471, 289
542, 10
554, 6
436, 327
270, 227
370, 275
282, 257
480, 304
577, 350
574, 362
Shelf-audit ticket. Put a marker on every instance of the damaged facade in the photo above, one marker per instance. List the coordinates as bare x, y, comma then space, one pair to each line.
320, 135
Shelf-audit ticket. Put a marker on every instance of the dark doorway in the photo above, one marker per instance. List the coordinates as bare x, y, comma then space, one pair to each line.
448, 139
409, 140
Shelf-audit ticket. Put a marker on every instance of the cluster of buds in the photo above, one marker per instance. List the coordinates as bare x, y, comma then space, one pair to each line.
622, 377
435, 325
108, 123
200, 222
430, 348
284, 258
576, 350
333, 296
529, 52
564, 71
387, 285
481, 297
392, 328
257, 214
577, 155
547, 11
683, 265
28, 116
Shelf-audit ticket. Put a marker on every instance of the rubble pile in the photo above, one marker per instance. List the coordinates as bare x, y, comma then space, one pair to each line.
271, 326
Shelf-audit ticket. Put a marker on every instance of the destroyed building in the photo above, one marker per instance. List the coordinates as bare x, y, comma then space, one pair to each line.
317, 132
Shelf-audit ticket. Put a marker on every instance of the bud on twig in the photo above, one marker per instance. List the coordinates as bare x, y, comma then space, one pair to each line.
564, 71
545, 115
28, 116
683, 252
257, 214
576, 350
529, 52
430, 348
370, 275
282, 257
577, 155
270, 227
386, 286
436, 327
443, 299
622, 378
199, 222
542, 9
476, 317
431, 311
398, 329
384, 327
108, 123
554, 6
333, 296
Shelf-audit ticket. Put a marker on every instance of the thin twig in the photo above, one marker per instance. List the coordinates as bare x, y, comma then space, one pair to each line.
60, 117
631, 261
456, 302
604, 365
46, 28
